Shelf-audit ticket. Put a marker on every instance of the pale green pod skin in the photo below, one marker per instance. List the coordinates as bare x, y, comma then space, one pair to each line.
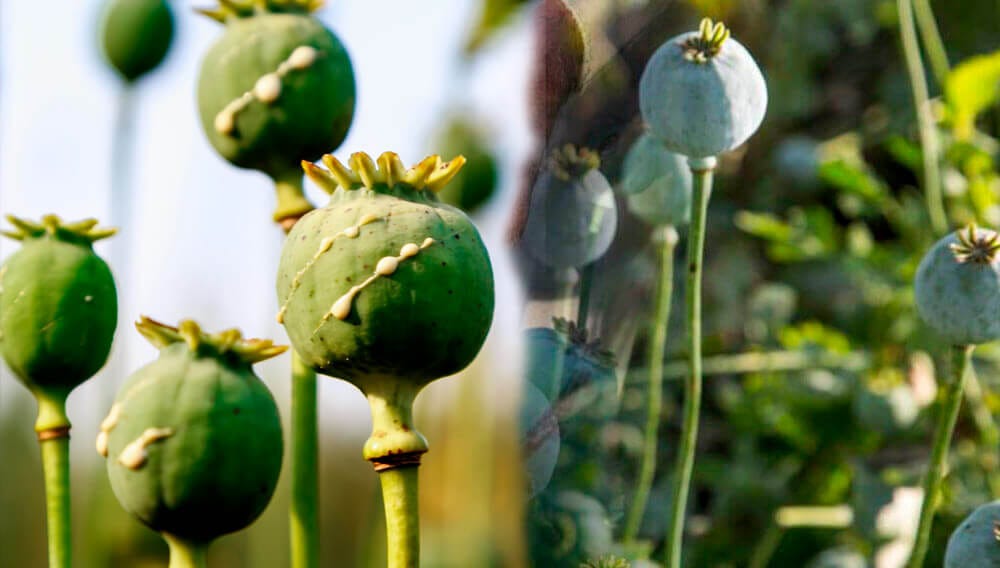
426, 320
702, 109
217, 469
58, 312
136, 35
658, 183
313, 111
572, 222
974, 542
959, 300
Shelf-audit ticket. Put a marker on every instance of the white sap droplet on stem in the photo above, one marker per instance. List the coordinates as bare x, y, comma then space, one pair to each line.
342, 307
386, 266
111, 420
134, 455
302, 58
281, 314
267, 89
352, 232
427, 242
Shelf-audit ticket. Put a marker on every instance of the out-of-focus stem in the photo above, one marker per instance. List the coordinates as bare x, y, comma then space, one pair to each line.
961, 358
925, 119
702, 170
53, 427
186, 554
657, 346
304, 515
931, 37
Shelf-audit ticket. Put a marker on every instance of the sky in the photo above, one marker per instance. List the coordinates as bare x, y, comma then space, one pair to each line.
199, 235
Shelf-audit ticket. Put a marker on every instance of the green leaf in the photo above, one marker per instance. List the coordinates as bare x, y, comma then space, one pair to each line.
972, 87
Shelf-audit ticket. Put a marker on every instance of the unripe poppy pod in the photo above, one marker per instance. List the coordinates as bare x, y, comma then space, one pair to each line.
276, 88
573, 216
193, 441
658, 183
58, 305
136, 35
702, 93
976, 542
957, 288
385, 280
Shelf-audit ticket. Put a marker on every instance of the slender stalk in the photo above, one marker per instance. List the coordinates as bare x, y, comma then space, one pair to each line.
961, 359
402, 515
702, 170
763, 362
186, 554
925, 119
55, 462
657, 346
931, 37
304, 512
53, 427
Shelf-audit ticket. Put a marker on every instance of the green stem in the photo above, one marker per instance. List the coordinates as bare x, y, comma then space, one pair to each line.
702, 170
402, 515
961, 357
925, 119
932, 40
186, 554
586, 284
766, 546
304, 521
53, 435
764, 362
657, 346
292, 201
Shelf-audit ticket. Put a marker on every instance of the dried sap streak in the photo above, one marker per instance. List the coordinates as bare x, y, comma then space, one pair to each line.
385, 267
351, 232
267, 89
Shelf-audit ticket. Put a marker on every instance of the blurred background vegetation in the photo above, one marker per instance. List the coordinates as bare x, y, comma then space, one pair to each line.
820, 377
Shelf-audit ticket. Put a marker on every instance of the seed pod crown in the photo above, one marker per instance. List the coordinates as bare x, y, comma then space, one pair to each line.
230, 9
228, 344
431, 174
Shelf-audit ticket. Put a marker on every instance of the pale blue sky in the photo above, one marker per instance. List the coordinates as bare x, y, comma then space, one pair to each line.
200, 235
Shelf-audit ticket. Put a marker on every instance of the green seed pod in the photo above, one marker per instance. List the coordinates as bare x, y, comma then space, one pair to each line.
658, 183
475, 184
702, 93
957, 288
276, 88
386, 287
976, 542
136, 35
58, 305
193, 439
573, 217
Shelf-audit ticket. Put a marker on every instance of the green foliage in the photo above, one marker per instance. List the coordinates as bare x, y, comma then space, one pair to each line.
970, 89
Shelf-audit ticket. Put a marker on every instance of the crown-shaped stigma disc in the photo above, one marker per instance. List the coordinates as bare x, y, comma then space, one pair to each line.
431, 173
228, 342
85, 230
976, 245
230, 9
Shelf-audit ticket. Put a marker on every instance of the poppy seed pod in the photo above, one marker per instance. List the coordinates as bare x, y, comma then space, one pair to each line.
702, 93
58, 305
276, 88
657, 182
573, 216
957, 287
136, 35
976, 542
193, 439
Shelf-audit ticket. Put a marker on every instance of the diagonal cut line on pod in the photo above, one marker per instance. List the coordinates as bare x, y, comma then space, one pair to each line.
267, 89
385, 267
351, 232
107, 425
134, 455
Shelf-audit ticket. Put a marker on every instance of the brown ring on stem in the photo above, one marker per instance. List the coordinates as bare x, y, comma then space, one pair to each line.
393, 461
53, 433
